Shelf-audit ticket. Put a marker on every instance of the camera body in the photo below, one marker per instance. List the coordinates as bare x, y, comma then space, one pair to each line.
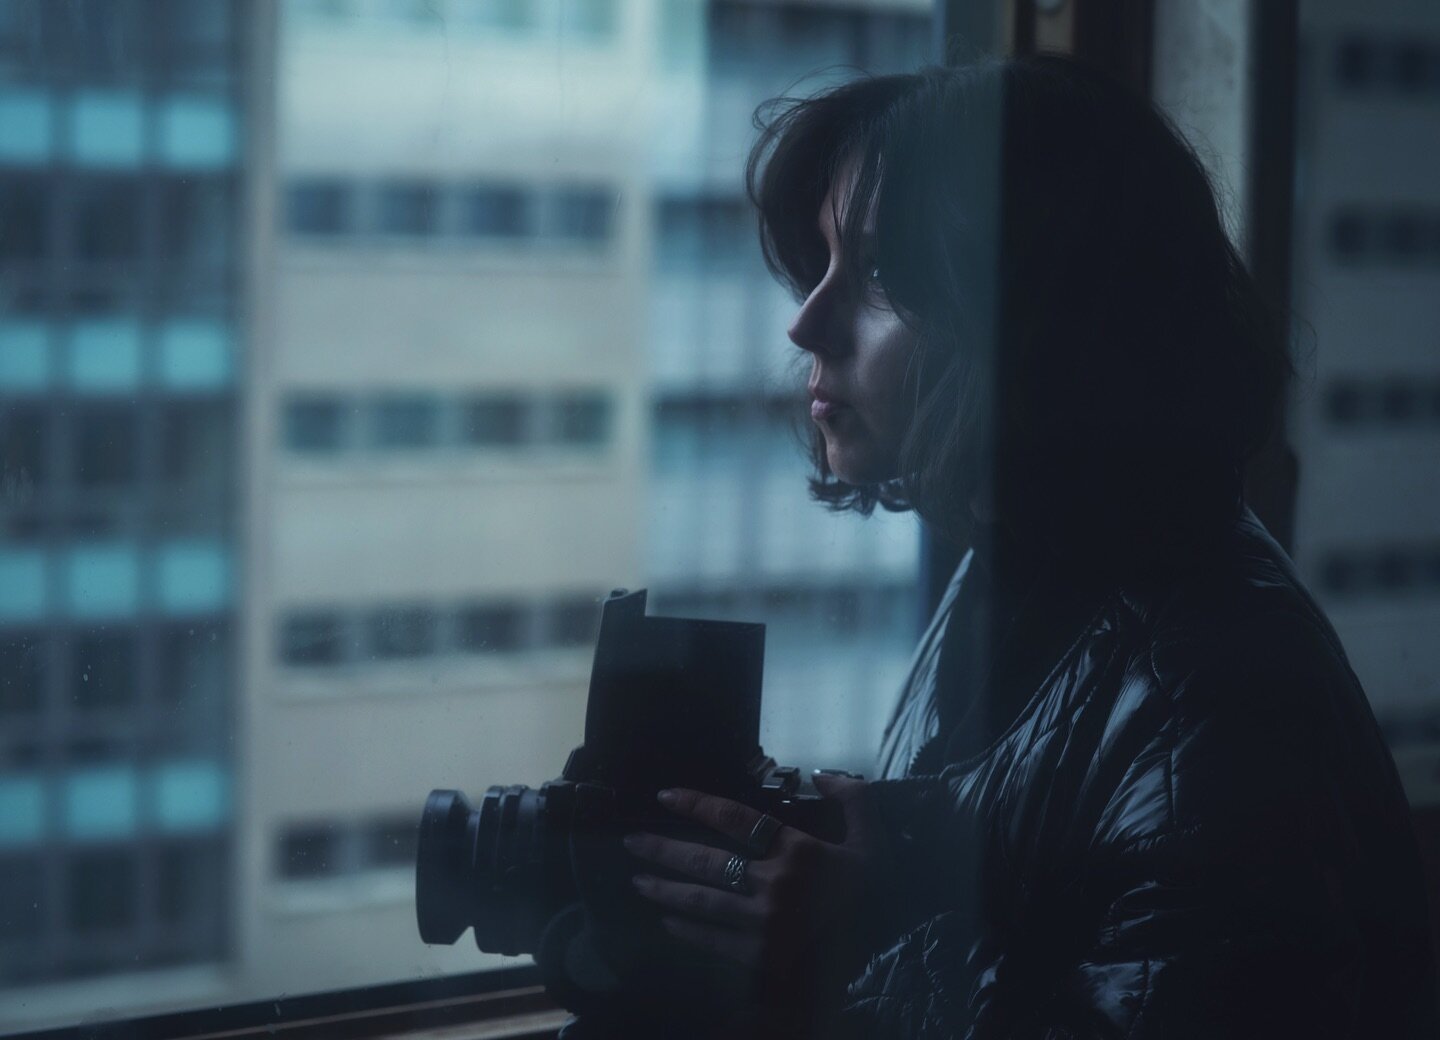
673, 702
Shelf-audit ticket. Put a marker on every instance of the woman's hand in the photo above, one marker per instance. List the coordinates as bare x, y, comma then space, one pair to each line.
796, 920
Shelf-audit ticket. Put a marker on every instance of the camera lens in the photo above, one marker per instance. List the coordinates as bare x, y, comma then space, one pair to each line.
483, 867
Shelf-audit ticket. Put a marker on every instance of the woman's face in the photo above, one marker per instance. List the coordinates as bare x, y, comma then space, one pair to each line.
860, 351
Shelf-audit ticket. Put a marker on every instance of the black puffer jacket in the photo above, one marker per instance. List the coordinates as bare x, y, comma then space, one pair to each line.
1189, 826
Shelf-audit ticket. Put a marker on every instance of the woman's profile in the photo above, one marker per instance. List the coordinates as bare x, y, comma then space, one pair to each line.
1132, 787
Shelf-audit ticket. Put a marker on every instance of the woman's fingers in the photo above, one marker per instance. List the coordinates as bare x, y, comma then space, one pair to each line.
701, 862
700, 901
730, 818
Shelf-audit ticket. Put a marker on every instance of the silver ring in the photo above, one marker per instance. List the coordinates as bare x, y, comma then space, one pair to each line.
735, 874
763, 834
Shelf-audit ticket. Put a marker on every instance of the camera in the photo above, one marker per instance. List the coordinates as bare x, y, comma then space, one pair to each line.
673, 702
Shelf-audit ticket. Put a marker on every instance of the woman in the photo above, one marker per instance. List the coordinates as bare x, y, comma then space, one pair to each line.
1132, 788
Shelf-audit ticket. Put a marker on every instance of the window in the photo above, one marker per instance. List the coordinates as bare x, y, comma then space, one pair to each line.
101, 891
498, 211
583, 213
499, 419
574, 621
103, 669
106, 451
108, 220
310, 851
583, 419
408, 208
491, 628
314, 424
329, 417
22, 671
390, 842
318, 207
402, 632
24, 214
405, 422
311, 638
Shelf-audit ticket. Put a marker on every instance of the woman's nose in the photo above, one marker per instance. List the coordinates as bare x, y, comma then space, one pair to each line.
812, 328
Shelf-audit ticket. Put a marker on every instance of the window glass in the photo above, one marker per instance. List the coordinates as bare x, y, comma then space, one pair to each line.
351, 352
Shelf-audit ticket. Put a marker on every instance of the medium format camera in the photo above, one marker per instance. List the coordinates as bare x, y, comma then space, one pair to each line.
673, 702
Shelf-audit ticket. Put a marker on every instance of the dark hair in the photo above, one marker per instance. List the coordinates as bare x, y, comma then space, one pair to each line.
1094, 337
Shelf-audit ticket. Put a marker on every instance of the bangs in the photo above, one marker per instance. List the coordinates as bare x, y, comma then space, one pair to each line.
805, 146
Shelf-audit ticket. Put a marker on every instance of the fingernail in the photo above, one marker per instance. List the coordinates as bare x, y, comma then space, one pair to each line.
667, 797
631, 841
642, 882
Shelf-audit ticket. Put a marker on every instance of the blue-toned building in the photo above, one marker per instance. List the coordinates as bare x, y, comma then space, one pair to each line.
120, 258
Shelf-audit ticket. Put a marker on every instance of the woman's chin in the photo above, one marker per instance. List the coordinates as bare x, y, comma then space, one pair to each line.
856, 468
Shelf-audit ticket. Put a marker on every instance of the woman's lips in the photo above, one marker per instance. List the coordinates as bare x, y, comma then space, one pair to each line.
821, 410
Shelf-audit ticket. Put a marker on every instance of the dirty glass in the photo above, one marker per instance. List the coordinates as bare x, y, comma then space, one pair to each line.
350, 352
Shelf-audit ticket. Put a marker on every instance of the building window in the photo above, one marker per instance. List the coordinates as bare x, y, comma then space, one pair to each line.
101, 891
582, 419
389, 842
22, 898
705, 232
583, 214
314, 425
397, 632
23, 444
498, 211
485, 628
189, 883
318, 207
23, 668
573, 622
494, 420
106, 451
312, 638
405, 422
193, 660
103, 669
408, 208
310, 851
24, 216
107, 219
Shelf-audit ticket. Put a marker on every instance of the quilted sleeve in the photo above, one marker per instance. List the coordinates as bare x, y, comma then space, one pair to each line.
1248, 873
